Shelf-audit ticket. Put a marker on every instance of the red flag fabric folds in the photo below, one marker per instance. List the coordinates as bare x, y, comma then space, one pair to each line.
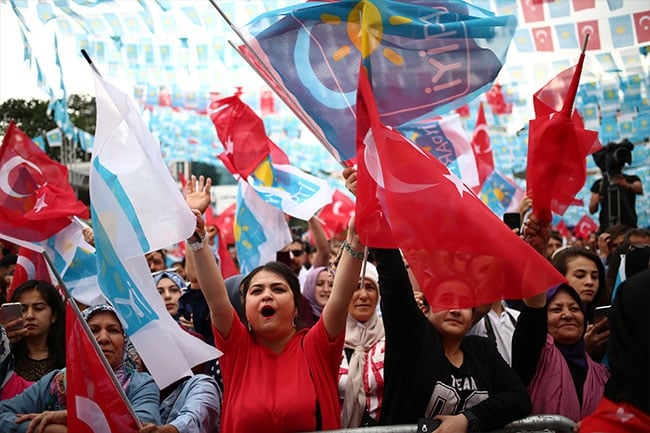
497, 101
242, 133
482, 149
337, 214
445, 232
36, 199
93, 401
557, 146
30, 265
226, 223
226, 263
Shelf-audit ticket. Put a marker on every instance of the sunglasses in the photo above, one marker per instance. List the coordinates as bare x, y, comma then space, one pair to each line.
297, 252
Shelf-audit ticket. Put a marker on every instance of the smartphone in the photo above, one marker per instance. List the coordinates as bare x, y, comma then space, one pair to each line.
512, 220
11, 311
284, 257
601, 311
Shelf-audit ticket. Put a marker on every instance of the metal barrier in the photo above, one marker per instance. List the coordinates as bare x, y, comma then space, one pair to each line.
530, 424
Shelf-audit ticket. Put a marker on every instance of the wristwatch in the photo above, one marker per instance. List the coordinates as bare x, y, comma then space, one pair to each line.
473, 423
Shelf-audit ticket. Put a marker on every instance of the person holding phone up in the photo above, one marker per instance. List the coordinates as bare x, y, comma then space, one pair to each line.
39, 347
586, 274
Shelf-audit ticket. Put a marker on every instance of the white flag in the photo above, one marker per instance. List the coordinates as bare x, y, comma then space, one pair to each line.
137, 208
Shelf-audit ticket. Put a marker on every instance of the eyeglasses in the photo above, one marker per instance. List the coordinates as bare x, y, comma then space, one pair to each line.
297, 253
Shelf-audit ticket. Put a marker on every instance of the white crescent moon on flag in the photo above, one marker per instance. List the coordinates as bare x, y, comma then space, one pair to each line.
587, 30
91, 413
541, 35
28, 265
643, 19
480, 128
374, 167
6, 170
336, 208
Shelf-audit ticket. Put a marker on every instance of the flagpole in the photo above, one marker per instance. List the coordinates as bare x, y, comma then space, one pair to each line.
306, 121
567, 108
90, 62
91, 337
274, 86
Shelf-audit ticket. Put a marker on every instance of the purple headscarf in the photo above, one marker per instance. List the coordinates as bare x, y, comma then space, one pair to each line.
309, 289
575, 352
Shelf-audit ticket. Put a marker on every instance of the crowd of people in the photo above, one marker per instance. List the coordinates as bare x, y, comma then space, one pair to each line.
344, 337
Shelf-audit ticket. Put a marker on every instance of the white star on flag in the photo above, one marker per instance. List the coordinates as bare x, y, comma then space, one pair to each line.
40, 204
458, 183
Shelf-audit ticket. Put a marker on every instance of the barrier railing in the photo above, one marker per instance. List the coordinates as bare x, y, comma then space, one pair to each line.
530, 424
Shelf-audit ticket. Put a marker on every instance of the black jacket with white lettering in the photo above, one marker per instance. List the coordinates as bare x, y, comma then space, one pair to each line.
415, 363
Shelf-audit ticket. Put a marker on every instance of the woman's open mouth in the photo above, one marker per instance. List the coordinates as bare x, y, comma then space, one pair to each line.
268, 311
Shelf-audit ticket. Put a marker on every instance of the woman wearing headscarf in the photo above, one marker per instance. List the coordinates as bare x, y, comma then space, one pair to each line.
42, 407
548, 348
586, 274
317, 289
361, 376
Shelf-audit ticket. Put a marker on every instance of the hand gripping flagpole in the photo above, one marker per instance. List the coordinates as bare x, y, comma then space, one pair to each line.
91, 337
77, 311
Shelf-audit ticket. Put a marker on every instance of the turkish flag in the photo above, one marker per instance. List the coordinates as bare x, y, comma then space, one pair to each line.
579, 5
563, 229
557, 146
543, 38
31, 265
497, 101
463, 111
642, 26
444, 231
482, 149
585, 226
226, 223
532, 11
226, 263
242, 134
94, 403
590, 28
36, 199
337, 214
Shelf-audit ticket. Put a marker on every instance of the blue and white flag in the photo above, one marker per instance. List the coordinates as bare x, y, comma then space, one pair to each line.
261, 229
137, 208
290, 189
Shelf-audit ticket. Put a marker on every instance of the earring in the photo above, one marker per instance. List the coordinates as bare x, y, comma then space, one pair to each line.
294, 322
250, 328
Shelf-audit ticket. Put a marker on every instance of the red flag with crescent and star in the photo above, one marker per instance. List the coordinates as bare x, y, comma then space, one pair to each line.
95, 404
36, 199
407, 199
584, 227
336, 215
30, 265
482, 149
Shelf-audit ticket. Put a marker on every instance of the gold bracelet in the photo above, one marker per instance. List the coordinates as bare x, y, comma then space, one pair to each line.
354, 253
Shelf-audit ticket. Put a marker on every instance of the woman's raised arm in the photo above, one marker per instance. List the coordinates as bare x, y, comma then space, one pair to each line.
346, 281
197, 195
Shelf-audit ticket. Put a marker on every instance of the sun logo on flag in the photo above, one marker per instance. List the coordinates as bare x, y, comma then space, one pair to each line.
365, 28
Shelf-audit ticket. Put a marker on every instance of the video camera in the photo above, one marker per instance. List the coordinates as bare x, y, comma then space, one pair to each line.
611, 158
